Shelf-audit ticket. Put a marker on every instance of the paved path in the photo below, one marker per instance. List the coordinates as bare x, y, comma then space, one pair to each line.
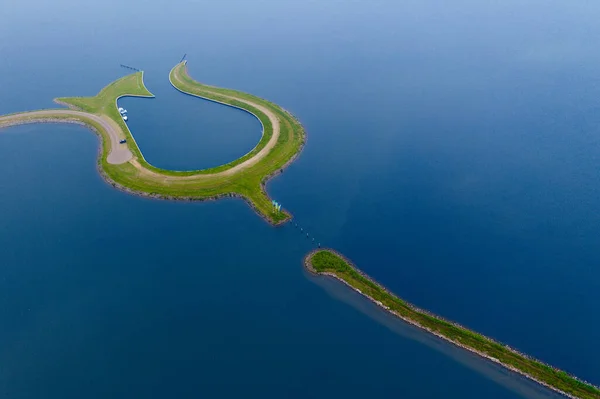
119, 153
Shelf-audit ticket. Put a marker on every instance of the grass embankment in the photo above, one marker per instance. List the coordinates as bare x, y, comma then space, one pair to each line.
329, 263
244, 177
138, 175
249, 182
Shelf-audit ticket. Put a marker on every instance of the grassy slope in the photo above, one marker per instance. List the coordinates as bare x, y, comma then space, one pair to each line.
324, 261
104, 103
291, 139
198, 184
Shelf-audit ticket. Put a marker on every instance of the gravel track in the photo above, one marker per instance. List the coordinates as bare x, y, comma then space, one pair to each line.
119, 153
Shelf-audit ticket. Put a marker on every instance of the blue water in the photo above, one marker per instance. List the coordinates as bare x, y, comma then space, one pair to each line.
452, 154
181, 132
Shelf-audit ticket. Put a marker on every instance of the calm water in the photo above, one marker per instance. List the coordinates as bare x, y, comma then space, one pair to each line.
452, 154
184, 133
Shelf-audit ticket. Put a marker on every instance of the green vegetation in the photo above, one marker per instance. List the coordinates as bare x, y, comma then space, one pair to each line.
104, 102
208, 183
244, 177
327, 261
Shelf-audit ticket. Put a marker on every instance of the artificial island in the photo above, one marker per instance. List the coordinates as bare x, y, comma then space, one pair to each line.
123, 165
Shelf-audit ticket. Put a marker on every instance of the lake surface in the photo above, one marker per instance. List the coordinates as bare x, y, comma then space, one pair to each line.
452, 154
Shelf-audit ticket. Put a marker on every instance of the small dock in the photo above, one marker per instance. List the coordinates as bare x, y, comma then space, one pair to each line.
129, 67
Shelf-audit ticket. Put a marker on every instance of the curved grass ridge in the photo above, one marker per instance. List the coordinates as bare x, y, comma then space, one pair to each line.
330, 263
185, 83
244, 177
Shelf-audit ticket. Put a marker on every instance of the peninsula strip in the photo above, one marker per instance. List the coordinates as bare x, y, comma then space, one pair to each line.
330, 263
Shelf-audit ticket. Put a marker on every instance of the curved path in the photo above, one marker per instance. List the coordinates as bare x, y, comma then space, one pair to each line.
119, 153
258, 156
237, 168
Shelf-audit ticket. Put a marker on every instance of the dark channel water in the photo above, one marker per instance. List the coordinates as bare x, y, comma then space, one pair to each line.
452, 154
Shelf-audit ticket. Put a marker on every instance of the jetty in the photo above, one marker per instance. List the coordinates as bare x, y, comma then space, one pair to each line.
330, 263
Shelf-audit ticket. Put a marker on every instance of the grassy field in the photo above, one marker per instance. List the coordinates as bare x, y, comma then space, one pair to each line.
139, 176
327, 261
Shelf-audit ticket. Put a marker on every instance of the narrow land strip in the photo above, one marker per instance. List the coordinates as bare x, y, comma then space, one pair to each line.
330, 263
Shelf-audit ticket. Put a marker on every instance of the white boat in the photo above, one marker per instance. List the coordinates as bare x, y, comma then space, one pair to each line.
125, 118
122, 111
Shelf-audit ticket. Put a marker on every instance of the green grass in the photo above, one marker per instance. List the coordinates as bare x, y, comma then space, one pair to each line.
104, 102
198, 184
326, 261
